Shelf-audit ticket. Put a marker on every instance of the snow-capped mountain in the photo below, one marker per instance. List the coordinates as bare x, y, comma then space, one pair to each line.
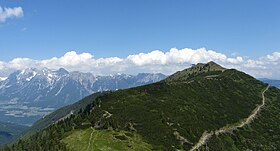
49, 88
27, 95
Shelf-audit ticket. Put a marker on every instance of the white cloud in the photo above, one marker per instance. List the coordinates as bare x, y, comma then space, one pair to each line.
7, 12
154, 61
175, 56
154, 57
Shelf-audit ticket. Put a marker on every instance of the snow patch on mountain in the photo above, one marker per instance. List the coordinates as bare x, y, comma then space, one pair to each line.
3, 78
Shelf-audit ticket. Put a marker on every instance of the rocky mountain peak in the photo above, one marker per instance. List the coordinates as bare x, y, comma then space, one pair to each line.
62, 71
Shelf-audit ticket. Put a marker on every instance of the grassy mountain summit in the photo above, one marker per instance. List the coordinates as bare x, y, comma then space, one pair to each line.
173, 114
195, 70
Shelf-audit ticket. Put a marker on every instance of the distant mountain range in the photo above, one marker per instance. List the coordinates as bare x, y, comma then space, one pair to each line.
272, 82
205, 107
31, 93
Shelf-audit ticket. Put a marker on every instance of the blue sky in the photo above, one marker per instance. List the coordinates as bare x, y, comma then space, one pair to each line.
119, 28
129, 36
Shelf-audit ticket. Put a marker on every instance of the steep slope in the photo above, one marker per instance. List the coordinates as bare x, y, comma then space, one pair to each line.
204, 139
262, 134
61, 114
168, 115
9, 132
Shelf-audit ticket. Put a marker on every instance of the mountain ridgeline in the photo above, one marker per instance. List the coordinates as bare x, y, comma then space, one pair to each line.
57, 88
30, 94
173, 114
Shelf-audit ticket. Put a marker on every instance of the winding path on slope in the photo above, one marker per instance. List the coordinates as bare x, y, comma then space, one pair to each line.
90, 139
226, 129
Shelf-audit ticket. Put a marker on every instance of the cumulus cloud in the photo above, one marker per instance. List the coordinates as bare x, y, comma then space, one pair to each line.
154, 61
7, 12
175, 56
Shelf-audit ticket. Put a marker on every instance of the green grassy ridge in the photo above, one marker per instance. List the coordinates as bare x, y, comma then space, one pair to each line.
262, 134
195, 70
191, 108
169, 115
104, 140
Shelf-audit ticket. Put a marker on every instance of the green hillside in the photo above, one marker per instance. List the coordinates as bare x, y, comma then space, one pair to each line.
109, 139
263, 134
60, 114
172, 114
